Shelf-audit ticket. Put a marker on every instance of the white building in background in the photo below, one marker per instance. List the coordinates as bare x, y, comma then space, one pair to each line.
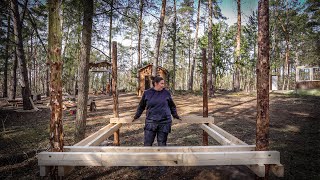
307, 77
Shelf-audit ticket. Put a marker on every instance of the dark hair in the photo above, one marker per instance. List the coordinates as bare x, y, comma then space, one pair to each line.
156, 79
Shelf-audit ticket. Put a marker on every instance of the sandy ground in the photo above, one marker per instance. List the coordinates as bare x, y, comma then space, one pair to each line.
294, 132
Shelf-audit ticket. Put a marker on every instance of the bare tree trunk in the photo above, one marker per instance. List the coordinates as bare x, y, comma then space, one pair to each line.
116, 140
5, 83
110, 36
262, 126
237, 68
287, 45
194, 49
139, 45
55, 61
47, 81
174, 45
205, 95
287, 61
17, 26
158, 41
210, 49
13, 85
283, 74
140, 32
83, 78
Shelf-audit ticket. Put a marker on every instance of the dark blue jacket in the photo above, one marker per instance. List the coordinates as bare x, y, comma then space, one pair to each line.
159, 105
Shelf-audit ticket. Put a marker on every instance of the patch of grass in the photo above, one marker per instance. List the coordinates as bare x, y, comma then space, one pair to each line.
308, 92
299, 92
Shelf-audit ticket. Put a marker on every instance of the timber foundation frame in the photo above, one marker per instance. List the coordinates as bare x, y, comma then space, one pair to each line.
232, 152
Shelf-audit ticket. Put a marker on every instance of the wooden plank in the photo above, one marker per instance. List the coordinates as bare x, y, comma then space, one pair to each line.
160, 149
64, 170
225, 138
227, 135
103, 136
205, 138
277, 169
179, 158
70, 163
44, 170
215, 135
115, 94
94, 135
191, 119
258, 169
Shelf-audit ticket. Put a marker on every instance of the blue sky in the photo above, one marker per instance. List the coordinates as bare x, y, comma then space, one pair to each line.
229, 10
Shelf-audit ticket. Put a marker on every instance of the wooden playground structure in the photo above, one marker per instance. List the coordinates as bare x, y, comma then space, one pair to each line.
232, 151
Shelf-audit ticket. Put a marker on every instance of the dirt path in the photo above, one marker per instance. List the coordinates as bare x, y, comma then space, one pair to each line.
294, 131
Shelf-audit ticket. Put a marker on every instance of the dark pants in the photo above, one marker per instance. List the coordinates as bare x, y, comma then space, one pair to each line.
150, 135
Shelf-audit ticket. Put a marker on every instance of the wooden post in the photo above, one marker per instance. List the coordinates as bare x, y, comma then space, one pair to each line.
116, 141
205, 94
54, 59
262, 126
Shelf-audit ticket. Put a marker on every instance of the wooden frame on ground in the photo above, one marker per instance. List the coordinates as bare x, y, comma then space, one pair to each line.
232, 152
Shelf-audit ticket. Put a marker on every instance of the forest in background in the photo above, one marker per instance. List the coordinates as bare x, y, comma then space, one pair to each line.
47, 46
294, 41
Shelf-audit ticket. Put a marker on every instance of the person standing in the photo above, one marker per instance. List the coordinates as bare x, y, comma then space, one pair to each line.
160, 106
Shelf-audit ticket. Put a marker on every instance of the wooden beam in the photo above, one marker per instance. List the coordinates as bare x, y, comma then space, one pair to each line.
227, 135
215, 135
108, 71
191, 119
258, 169
225, 138
94, 135
205, 138
64, 170
159, 149
157, 158
44, 170
103, 136
277, 169
115, 96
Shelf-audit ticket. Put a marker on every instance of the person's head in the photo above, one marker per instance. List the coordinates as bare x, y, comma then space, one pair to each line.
158, 83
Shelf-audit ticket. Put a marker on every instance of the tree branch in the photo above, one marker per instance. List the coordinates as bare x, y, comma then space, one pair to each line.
108, 57
31, 18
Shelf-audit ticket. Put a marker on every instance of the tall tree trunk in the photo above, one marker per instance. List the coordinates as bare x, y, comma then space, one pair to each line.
194, 49
287, 61
47, 81
55, 61
139, 45
17, 26
283, 73
110, 38
13, 85
262, 126
214, 69
205, 95
287, 45
140, 32
174, 45
5, 83
115, 93
237, 68
158, 41
210, 49
84, 69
